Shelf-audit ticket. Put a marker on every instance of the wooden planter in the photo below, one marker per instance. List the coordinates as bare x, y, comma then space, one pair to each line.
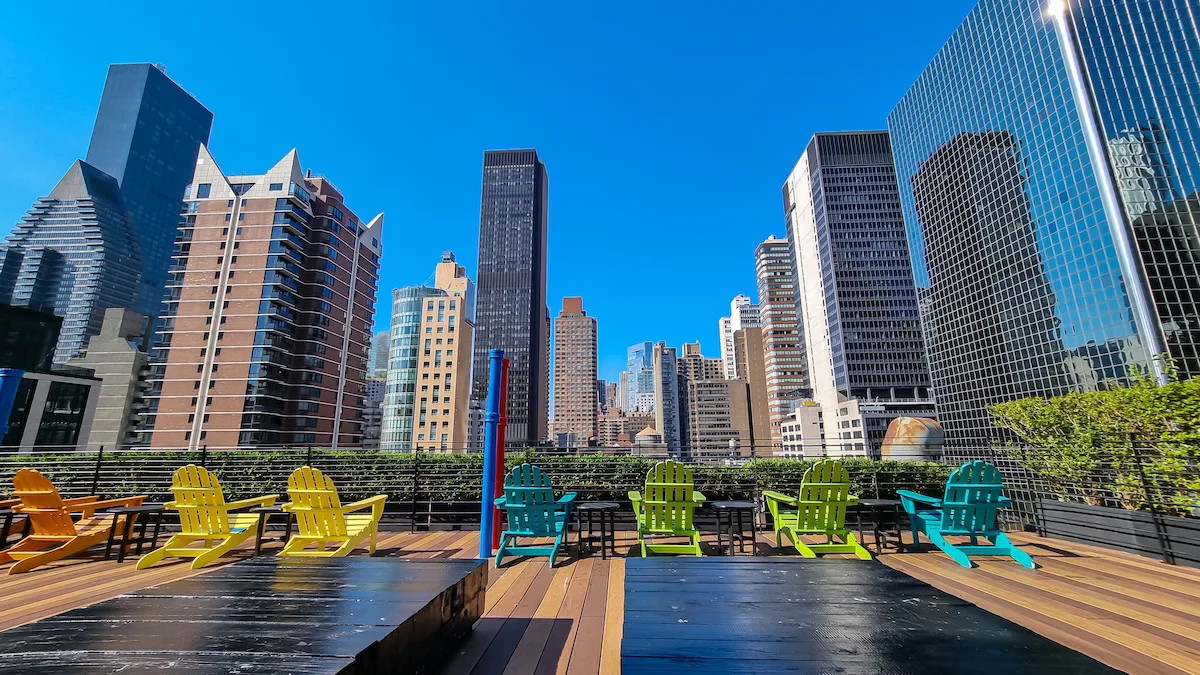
1139, 532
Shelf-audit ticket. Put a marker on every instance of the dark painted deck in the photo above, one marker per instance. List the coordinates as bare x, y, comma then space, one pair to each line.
353, 615
773, 615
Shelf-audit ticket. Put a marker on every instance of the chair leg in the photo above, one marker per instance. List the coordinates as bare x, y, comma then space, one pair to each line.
218, 551
1000, 539
801, 547
72, 547
374, 534
174, 541
949, 549
859, 551
500, 550
696, 545
23, 545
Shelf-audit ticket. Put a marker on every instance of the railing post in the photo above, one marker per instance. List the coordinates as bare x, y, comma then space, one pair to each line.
96, 472
308, 457
204, 455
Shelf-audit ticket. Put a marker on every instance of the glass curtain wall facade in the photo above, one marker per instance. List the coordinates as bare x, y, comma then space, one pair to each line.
511, 312
400, 395
640, 360
1018, 272
74, 255
147, 134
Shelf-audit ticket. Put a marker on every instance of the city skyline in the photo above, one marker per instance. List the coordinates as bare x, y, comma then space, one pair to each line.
429, 180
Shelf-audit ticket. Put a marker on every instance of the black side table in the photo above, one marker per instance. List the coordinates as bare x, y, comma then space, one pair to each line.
883, 512
607, 516
733, 511
265, 513
145, 513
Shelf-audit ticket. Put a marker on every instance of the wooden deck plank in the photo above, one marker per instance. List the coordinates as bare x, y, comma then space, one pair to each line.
498, 609
614, 619
562, 636
589, 638
525, 657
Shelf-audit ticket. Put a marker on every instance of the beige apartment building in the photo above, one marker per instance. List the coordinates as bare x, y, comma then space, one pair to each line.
719, 419
784, 356
748, 356
575, 371
443, 377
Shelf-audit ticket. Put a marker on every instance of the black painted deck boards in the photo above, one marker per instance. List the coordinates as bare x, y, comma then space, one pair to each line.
265, 615
703, 615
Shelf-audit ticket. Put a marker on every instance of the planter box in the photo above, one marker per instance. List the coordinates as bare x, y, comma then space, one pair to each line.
1121, 529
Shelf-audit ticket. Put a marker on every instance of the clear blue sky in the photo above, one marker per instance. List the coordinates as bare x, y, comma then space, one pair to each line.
667, 128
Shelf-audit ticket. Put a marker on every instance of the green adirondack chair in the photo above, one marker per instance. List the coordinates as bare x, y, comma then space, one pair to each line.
968, 509
667, 508
532, 512
819, 509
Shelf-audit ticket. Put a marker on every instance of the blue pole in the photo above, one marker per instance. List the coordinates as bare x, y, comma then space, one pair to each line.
10, 379
491, 423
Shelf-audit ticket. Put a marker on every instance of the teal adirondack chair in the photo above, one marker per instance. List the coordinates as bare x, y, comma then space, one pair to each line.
819, 509
532, 512
968, 509
667, 508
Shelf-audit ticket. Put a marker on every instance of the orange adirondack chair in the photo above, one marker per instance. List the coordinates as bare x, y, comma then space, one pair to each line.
55, 535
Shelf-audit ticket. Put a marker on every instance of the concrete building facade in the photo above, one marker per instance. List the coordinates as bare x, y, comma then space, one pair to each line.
116, 357
575, 369
784, 355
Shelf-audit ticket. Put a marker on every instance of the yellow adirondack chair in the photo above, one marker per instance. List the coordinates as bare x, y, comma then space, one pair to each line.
321, 519
204, 516
55, 535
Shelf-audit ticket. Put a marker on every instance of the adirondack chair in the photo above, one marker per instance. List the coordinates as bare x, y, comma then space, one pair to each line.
204, 516
54, 534
968, 509
819, 509
322, 519
532, 511
667, 509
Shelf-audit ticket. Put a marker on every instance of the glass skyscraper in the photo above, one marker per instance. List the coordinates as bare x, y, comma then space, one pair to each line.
511, 311
74, 255
1027, 284
147, 135
400, 393
640, 361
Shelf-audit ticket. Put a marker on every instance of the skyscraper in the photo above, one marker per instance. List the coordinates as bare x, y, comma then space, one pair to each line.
748, 351
1078, 181
575, 366
73, 254
856, 302
447, 334
269, 309
147, 135
668, 419
783, 341
511, 313
640, 362
377, 358
400, 391
743, 313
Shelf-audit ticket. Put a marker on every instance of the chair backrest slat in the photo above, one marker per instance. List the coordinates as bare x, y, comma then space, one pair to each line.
529, 501
200, 501
826, 482
668, 499
972, 498
313, 490
37, 492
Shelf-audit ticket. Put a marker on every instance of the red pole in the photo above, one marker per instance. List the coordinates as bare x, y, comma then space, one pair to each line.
500, 471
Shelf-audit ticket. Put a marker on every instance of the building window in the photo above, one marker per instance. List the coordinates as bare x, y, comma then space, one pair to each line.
203, 190
276, 187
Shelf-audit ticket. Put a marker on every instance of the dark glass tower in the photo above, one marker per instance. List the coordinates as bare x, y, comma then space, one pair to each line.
511, 311
1050, 251
856, 301
147, 134
73, 255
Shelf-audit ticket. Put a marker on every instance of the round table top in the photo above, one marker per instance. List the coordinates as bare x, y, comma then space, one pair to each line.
732, 504
141, 508
596, 506
879, 502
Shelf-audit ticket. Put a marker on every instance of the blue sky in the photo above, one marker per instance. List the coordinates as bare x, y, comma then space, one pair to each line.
667, 128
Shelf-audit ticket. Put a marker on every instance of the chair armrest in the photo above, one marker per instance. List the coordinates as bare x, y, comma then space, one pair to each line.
120, 501
772, 495
851, 500
75, 501
910, 499
566, 500
364, 503
265, 500
698, 497
1004, 501
636, 498
500, 502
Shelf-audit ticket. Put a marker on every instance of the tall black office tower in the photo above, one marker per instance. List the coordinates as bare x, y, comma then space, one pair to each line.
147, 135
510, 305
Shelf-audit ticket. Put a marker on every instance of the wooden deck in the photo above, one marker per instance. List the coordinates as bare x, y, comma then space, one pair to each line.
1134, 614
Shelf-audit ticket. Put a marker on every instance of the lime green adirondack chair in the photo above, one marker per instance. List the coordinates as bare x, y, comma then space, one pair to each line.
819, 509
968, 508
532, 512
667, 508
